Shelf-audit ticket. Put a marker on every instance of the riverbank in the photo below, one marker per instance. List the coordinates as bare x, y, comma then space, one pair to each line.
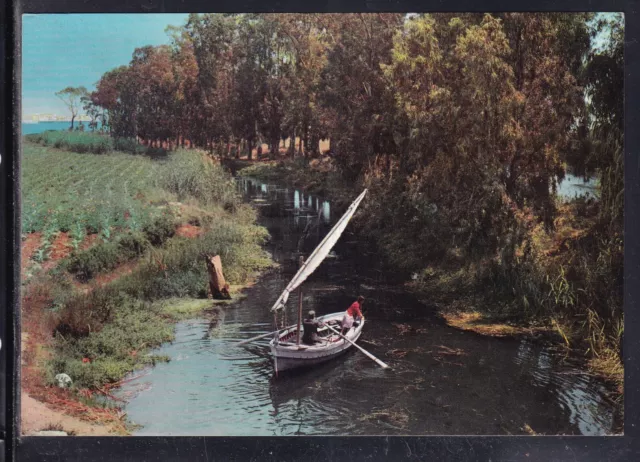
111, 259
541, 303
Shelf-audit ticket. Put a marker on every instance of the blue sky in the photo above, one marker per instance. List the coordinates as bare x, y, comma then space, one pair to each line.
60, 50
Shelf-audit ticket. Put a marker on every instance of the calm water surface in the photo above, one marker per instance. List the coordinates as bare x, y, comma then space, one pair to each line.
492, 386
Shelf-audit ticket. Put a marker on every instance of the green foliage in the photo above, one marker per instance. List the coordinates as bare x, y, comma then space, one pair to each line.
86, 193
106, 325
80, 142
128, 145
72, 97
115, 350
190, 176
106, 256
160, 229
178, 270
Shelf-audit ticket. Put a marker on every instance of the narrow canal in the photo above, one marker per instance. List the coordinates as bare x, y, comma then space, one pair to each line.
489, 386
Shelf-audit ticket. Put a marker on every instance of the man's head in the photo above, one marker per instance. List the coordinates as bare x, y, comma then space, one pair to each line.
312, 314
360, 299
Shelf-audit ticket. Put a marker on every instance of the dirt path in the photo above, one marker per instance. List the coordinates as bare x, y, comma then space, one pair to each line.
36, 416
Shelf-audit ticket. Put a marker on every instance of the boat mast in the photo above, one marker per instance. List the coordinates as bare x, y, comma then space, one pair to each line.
299, 307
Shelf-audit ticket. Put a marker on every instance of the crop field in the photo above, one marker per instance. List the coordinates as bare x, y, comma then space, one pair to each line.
86, 193
98, 298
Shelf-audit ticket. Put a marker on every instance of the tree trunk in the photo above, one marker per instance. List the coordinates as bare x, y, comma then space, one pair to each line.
305, 152
275, 146
217, 284
314, 146
250, 143
73, 117
292, 144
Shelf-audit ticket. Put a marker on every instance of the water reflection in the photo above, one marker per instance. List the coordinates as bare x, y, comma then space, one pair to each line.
490, 386
573, 186
326, 211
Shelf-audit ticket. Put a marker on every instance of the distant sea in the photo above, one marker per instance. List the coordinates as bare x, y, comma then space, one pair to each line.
44, 126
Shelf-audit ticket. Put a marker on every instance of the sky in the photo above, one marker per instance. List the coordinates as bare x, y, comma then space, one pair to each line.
61, 50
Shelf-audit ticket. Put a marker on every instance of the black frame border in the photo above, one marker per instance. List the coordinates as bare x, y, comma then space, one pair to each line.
166, 448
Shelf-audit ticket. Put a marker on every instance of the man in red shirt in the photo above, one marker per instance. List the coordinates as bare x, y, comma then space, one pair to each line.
353, 312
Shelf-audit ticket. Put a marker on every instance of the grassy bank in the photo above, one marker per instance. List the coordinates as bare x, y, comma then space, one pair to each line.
562, 286
113, 248
95, 143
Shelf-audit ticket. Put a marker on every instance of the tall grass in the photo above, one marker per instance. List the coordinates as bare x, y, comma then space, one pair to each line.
130, 201
75, 141
191, 175
115, 325
569, 279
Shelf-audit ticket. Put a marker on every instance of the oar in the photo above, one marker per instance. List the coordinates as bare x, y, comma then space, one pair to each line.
380, 363
261, 336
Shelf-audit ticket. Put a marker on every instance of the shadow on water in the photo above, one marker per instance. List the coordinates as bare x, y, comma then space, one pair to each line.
442, 381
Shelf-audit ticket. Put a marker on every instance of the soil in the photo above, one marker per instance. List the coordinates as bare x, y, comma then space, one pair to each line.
122, 270
36, 416
45, 407
29, 246
189, 231
88, 241
60, 248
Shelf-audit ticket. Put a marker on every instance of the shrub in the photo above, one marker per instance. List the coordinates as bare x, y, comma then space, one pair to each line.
189, 175
74, 141
106, 256
160, 229
127, 145
85, 265
115, 350
88, 313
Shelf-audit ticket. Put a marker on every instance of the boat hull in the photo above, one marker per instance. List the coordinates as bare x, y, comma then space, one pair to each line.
287, 355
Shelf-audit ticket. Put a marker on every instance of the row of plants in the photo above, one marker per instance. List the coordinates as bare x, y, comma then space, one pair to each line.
65, 190
92, 142
102, 336
131, 202
108, 255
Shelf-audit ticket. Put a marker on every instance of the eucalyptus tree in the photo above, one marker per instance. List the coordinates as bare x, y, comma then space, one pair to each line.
72, 98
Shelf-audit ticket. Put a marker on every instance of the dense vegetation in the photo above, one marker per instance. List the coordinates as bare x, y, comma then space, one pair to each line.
460, 125
115, 215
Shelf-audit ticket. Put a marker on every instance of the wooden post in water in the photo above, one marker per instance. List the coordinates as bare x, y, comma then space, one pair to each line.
219, 288
299, 308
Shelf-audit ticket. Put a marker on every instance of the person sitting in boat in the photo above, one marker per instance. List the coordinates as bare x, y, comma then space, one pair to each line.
310, 329
353, 312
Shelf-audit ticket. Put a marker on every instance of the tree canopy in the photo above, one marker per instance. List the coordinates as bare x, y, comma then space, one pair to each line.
486, 108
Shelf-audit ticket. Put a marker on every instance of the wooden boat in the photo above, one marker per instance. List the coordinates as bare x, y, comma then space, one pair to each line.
288, 353
286, 348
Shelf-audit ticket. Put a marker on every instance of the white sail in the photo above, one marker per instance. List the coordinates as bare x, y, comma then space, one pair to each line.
318, 254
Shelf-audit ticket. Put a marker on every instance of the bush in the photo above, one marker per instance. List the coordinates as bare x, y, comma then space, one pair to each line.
74, 141
189, 175
160, 229
116, 350
127, 145
88, 313
106, 256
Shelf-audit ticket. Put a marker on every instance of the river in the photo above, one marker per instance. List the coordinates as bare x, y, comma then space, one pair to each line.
491, 386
